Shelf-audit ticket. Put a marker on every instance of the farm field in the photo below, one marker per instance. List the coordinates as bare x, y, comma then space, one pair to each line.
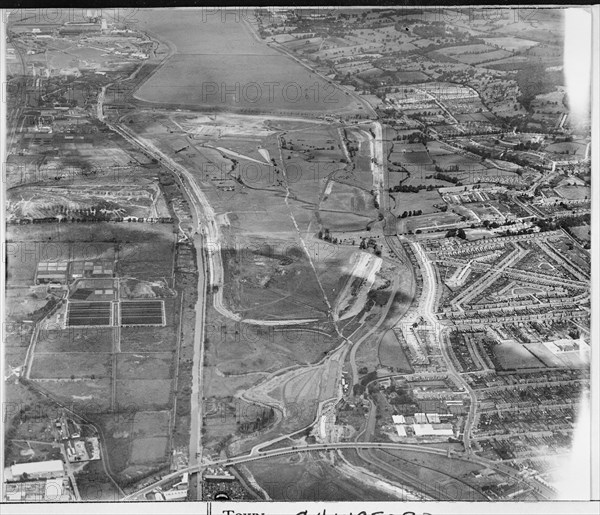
69, 365
423, 200
410, 76
142, 366
89, 313
144, 394
510, 43
146, 312
100, 370
148, 339
75, 340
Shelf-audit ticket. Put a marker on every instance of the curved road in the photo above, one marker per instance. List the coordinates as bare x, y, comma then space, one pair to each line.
256, 455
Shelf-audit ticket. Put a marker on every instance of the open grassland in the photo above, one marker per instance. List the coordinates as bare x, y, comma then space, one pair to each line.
391, 353
220, 77
72, 364
137, 441
511, 354
87, 395
141, 366
244, 349
272, 285
307, 477
105, 200
423, 200
269, 247
144, 394
148, 339
434, 475
89, 339
241, 82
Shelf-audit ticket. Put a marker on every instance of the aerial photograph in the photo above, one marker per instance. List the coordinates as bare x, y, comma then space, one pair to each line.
297, 255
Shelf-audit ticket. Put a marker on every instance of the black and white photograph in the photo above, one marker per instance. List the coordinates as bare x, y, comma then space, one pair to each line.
300, 260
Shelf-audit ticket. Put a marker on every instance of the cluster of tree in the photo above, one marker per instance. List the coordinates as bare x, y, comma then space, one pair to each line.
406, 188
416, 212
441, 176
534, 80
459, 233
326, 236
370, 244
367, 243
415, 137
550, 224
527, 145
261, 421
490, 225
368, 377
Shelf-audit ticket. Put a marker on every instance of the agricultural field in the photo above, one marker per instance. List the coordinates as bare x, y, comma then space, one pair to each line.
424, 200
89, 314
148, 339
99, 369
141, 366
510, 43
142, 312
72, 365
408, 77
582, 232
89, 339
567, 148
474, 54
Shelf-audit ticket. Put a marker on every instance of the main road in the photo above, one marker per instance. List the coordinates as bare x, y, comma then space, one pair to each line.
429, 295
196, 404
256, 455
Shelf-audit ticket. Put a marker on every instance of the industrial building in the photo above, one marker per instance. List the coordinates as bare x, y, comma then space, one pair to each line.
80, 269
49, 490
37, 470
433, 429
51, 272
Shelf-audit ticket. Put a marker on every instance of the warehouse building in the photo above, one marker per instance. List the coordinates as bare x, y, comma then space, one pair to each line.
37, 470
51, 272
